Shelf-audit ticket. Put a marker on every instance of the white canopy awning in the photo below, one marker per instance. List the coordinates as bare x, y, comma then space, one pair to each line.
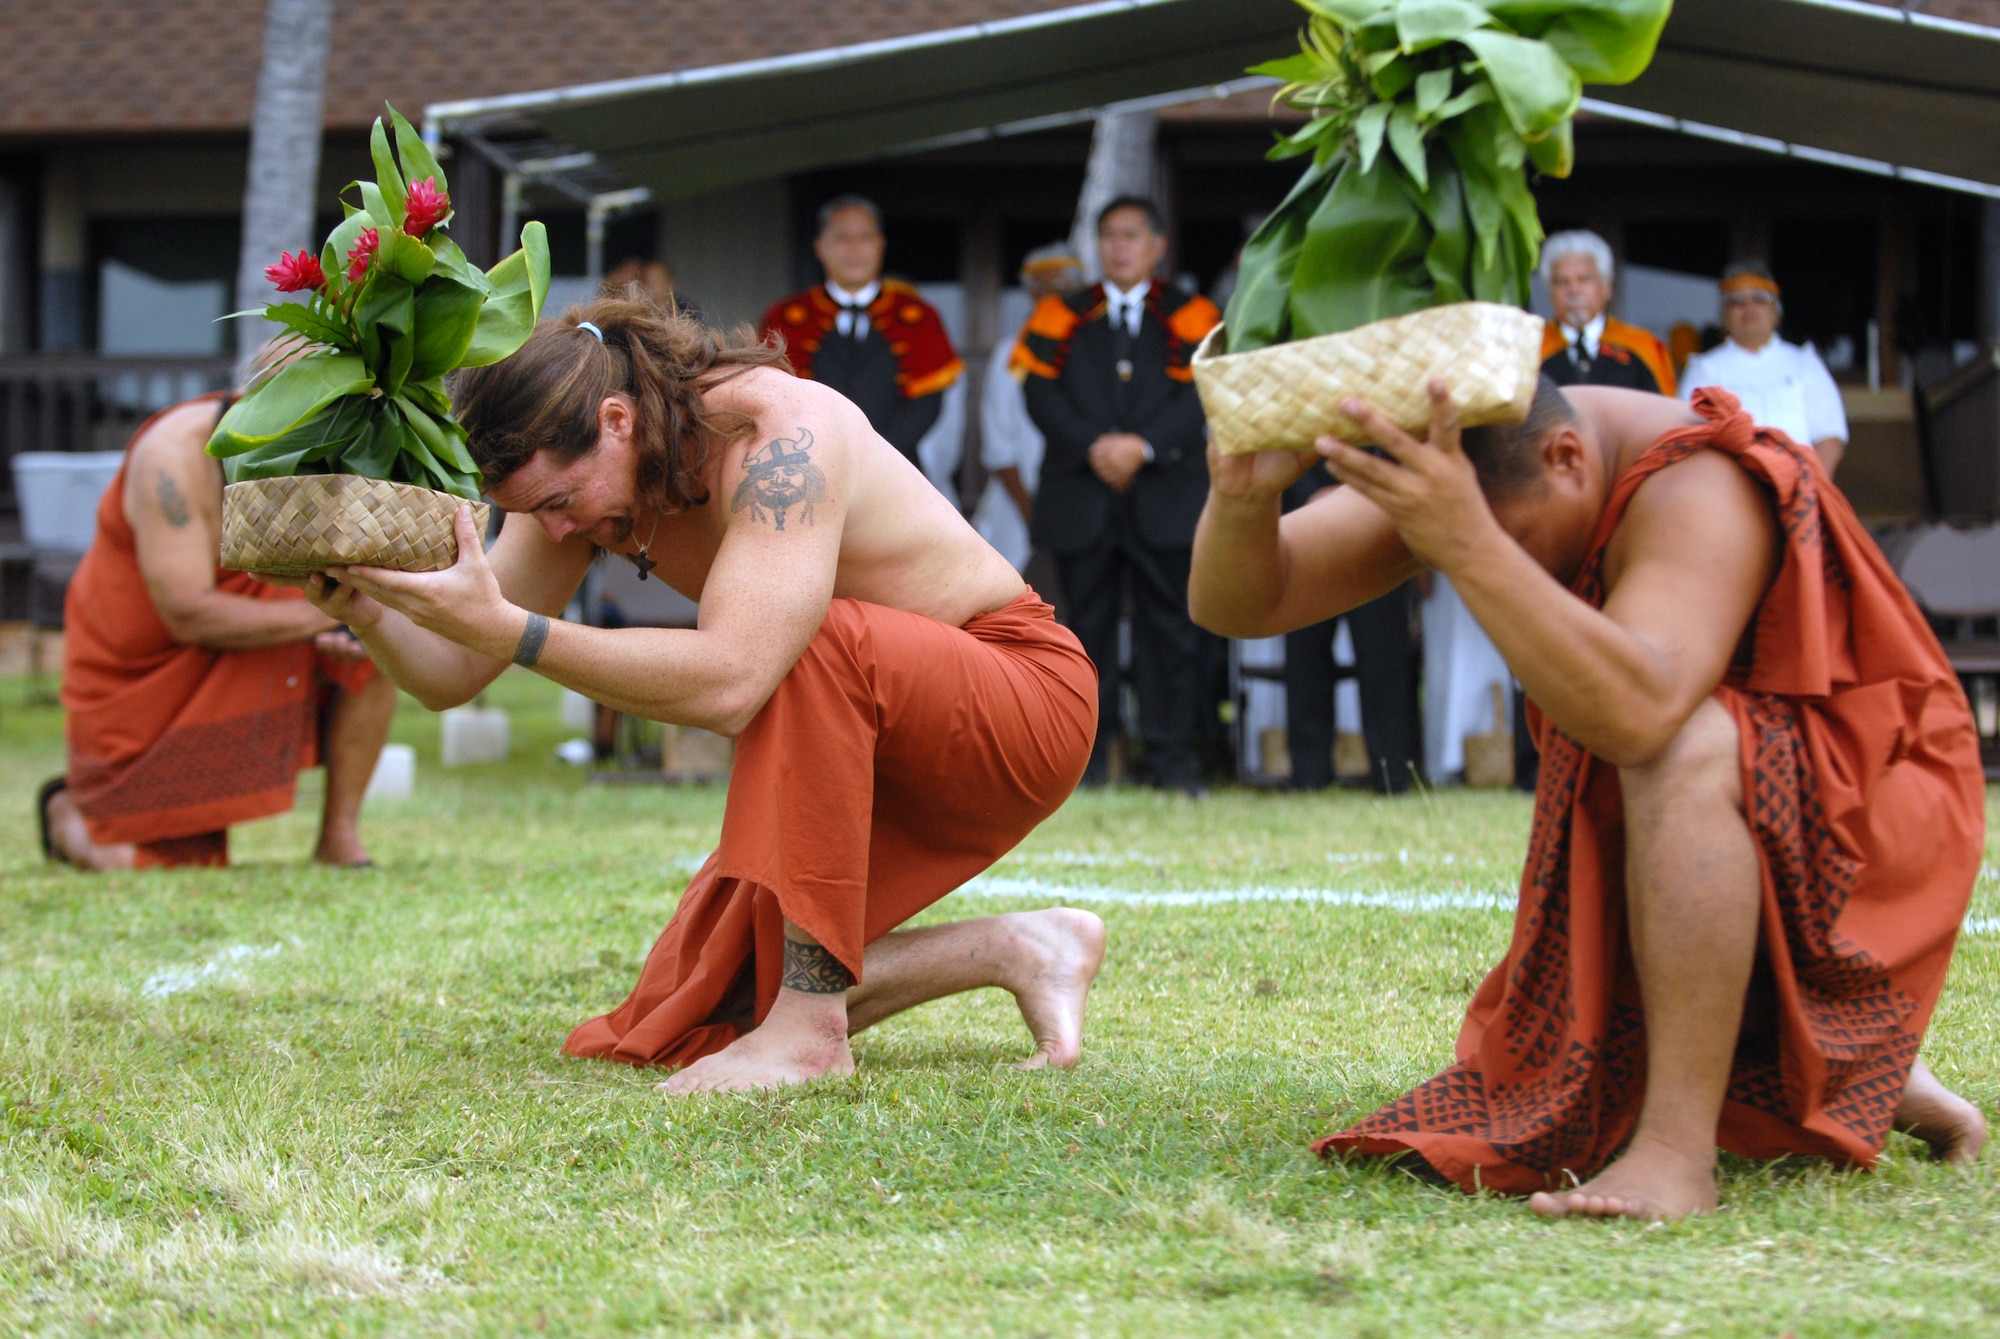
1851, 83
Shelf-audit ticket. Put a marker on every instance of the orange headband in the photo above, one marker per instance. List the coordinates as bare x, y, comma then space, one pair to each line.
1746, 283
1050, 264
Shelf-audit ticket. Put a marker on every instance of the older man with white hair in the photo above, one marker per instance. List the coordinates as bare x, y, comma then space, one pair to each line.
1585, 345
1781, 385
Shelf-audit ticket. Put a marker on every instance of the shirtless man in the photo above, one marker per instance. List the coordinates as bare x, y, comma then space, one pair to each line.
905, 709
1759, 773
194, 694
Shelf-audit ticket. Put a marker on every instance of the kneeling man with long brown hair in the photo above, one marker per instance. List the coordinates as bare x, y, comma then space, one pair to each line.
1760, 813
905, 708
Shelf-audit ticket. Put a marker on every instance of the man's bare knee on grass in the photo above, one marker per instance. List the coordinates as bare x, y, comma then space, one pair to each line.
1691, 892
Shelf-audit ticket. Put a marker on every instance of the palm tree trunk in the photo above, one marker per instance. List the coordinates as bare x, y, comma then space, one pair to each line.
284, 155
1121, 163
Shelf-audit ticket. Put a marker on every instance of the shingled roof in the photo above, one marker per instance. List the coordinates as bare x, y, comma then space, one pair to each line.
120, 67
92, 67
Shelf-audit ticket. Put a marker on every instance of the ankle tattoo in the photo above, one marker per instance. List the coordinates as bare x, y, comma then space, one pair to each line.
811, 970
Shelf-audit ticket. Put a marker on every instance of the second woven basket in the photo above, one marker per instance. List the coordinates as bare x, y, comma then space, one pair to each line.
1285, 396
307, 523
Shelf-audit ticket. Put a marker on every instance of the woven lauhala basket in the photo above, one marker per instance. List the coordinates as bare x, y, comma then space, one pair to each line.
1285, 396
308, 523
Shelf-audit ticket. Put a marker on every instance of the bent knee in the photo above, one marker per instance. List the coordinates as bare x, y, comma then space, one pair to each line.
1704, 755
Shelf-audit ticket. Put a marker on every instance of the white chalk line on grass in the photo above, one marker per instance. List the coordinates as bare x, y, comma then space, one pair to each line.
223, 965
1387, 900
1381, 899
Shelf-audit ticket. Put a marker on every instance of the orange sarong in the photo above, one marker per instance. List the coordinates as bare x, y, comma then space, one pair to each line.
1866, 802
897, 759
169, 744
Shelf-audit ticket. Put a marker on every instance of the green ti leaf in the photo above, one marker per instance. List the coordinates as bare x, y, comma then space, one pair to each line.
389, 181
385, 316
316, 320
1423, 24
405, 257
1554, 154
1347, 13
418, 160
376, 206
294, 393
1536, 88
1603, 41
520, 285
1369, 128
447, 313
1406, 138
1433, 90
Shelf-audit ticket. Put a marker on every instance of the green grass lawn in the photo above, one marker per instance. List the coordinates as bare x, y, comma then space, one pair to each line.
283, 1100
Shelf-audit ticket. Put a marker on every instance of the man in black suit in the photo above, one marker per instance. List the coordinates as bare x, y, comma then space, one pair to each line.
1380, 631
1108, 383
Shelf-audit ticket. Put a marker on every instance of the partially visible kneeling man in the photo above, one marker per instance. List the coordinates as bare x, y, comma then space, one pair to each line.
195, 694
1761, 810
905, 708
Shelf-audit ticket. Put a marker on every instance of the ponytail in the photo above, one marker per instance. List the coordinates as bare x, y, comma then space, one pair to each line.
545, 396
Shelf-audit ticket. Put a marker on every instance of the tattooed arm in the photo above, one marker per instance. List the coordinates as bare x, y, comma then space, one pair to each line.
779, 503
785, 494
173, 500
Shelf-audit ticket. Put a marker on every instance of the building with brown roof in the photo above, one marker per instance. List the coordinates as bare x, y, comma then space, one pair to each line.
123, 134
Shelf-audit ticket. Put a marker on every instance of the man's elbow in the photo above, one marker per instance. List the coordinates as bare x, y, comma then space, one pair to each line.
190, 623
437, 700
735, 707
1210, 610
1636, 741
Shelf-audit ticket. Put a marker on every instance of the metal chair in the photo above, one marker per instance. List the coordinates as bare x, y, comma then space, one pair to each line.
1954, 574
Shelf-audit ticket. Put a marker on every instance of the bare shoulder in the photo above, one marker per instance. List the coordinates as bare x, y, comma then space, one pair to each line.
1704, 513
1703, 482
791, 470
169, 473
178, 439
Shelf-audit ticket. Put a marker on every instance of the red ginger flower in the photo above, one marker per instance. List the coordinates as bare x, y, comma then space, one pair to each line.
296, 274
425, 208
363, 251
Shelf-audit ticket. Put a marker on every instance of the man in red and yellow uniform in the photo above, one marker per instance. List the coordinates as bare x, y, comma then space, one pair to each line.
1585, 345
874, 340
1108, 383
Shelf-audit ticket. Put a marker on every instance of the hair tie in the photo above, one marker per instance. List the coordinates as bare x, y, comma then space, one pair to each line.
592, 328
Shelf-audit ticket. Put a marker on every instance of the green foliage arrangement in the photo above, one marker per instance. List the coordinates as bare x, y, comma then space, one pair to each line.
1425, 117
358, 385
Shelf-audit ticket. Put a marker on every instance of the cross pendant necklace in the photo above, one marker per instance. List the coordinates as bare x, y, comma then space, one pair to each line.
643, 559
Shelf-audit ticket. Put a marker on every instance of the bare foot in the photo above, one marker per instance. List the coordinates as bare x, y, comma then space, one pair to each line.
1651, 1181
341, 846
1941, 1118
1057, 954
71, 838
803, 1037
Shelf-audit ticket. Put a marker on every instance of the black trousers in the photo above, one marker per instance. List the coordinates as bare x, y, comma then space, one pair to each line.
1166, 645
1380, 630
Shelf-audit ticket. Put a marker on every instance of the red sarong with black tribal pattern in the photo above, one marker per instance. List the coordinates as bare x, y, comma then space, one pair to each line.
170, 744
1866, 802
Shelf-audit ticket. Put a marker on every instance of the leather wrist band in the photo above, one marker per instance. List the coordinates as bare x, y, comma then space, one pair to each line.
532, 637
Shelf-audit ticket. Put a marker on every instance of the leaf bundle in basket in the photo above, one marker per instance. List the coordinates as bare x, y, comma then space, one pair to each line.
1425, 117
355, 386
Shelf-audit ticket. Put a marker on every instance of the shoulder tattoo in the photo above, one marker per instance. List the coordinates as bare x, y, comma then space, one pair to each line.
812, 970
780, 476
172, 505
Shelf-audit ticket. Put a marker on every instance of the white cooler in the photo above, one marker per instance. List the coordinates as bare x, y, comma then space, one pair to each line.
59, 492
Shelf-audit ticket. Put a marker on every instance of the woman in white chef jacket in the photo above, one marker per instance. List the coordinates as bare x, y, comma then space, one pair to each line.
1783, 386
